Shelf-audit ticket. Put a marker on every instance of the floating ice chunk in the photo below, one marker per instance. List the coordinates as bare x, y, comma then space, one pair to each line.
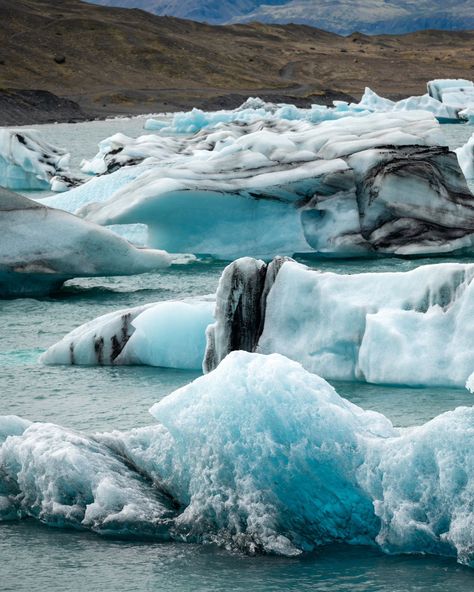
42, 247
27, 161
465, 156
170, 334
223, 193
350, 327
153, 124
456, 94
371, 101
258, 455
68, 479
437, 88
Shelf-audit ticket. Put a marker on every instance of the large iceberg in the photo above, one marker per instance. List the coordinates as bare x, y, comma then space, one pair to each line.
406, 328
411, 328
377, 184
258, 455
27, 161
41, 247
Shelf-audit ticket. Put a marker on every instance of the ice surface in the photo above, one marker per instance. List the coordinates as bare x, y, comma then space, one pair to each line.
344, 327
344, 188
258, 455
371, 101
169, 334
42, 247
466, 158
27, 161
456, 94
410, 328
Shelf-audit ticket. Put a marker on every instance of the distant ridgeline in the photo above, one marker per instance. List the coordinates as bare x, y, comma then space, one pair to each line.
338, 16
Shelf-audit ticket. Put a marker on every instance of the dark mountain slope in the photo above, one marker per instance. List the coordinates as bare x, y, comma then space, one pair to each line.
112, 60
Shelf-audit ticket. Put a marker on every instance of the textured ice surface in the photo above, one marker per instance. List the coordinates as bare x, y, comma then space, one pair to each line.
379, 183
456, 94
258, 455
27, 161
255, 109
410, 328
42, 247
169, 334
371, 101
406, 328
466, 158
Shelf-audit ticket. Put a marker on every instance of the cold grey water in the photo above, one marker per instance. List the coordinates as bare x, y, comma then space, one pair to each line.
38, 558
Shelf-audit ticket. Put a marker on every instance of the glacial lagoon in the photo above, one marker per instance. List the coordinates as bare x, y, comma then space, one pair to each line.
103, 399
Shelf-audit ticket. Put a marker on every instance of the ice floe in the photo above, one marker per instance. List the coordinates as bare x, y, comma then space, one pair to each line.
375, 184
259, 455
42, 247
407, 328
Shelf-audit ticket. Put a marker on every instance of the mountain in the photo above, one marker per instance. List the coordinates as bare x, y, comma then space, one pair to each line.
107, 61
338, 16
209, 11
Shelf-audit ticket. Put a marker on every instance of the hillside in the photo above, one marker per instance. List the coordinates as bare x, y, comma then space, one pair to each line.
112, 60
338, 16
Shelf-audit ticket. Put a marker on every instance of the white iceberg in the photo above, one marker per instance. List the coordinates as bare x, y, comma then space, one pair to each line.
27, 161
365, 185
170, 334
457, 94
406, 328
42, 247
372, 102
258, 455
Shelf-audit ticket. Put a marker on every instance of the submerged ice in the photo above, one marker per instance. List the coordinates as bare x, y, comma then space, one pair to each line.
258, 455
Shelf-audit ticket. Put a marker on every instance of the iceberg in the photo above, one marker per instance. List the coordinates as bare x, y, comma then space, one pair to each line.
457, 94
169, 334
259, 456
407, 328
376, 184
372, 102
255, 109
465, 156
342, 327
27, 161
42, 247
